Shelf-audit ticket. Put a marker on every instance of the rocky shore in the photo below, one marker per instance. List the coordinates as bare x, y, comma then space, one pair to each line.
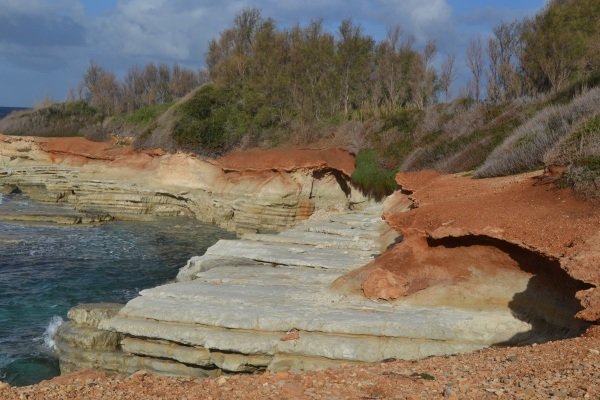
269, 191
341, 288
275, 302
565, 369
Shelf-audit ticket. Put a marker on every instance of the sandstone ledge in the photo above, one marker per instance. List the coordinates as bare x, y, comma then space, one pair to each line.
106, 178
266, 302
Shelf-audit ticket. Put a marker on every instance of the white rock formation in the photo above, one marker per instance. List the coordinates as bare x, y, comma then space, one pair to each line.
265, 302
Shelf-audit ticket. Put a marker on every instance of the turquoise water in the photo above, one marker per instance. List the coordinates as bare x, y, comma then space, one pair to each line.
47, 269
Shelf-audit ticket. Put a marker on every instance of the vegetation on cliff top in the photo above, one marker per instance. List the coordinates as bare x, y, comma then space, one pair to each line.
266, 86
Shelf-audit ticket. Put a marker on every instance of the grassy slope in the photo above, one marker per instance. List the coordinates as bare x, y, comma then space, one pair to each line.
454, 137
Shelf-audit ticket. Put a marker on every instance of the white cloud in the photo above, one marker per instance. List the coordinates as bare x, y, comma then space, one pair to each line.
140, 31
72, 8
171, 30
179, 30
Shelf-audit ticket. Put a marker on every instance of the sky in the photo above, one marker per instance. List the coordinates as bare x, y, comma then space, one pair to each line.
46, 45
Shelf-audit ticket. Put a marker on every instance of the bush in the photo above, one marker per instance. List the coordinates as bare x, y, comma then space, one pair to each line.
371, 178
403, 120
459, 136
584, 176
208, 122
145, 115
57, 119
526, 148
580, 151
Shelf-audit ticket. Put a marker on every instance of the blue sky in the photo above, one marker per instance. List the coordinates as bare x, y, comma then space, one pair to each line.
46, 45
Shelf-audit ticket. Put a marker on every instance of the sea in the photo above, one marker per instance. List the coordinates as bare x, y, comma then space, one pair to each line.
47, 269
4, 111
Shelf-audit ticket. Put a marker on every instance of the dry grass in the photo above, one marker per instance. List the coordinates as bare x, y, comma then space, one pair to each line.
55, 119
527, 146
580, 152
459, 136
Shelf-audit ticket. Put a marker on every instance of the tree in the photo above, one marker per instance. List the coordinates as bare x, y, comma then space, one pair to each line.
423, 79
559, 44
504, 80
101, 89
354, 54
182, 81
388, 71
476, 64
447, 75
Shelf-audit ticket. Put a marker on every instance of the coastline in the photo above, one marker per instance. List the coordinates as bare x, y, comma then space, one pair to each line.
408, 211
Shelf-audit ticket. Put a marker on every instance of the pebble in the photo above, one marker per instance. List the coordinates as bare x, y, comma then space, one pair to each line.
221, 381
551, 369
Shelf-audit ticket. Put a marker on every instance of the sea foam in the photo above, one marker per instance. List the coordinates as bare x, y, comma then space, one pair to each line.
48, 336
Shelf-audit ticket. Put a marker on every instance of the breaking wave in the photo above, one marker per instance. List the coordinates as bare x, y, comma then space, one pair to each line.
50, 332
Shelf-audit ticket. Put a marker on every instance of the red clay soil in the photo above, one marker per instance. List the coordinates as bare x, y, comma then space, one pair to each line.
288, 160
519, 210
414, 265
554, 370
80, 151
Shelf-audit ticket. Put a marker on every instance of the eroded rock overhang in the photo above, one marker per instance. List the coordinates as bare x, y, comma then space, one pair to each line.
502, 242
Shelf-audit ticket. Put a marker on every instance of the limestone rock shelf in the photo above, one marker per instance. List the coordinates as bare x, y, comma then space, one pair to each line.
266, 302
104, 178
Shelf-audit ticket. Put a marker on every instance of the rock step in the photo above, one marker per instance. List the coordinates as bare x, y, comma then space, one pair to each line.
195, 355
284, 309
357, 220
87, 337
319, 240
267, 275
75, 358
345, 347
283, 254
340, 229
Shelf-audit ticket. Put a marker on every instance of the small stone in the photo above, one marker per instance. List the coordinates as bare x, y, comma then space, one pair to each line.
291, 335
221, 381
279, 376
594, 351
448, 394
139, 374
292, 390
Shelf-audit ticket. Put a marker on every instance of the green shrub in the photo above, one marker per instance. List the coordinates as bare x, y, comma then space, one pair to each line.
145, 115
580, 151
371, 177
403, 120
584, 176
208, 122
587, 134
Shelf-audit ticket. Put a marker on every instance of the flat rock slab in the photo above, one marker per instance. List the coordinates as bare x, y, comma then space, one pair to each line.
278, 315
90, 314
267, 276
301, 255
312, 344
319, 240
341, 229
269, 295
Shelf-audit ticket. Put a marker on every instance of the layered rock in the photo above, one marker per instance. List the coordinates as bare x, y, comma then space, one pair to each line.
81, 344
108, 178
266, 302
480, 237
